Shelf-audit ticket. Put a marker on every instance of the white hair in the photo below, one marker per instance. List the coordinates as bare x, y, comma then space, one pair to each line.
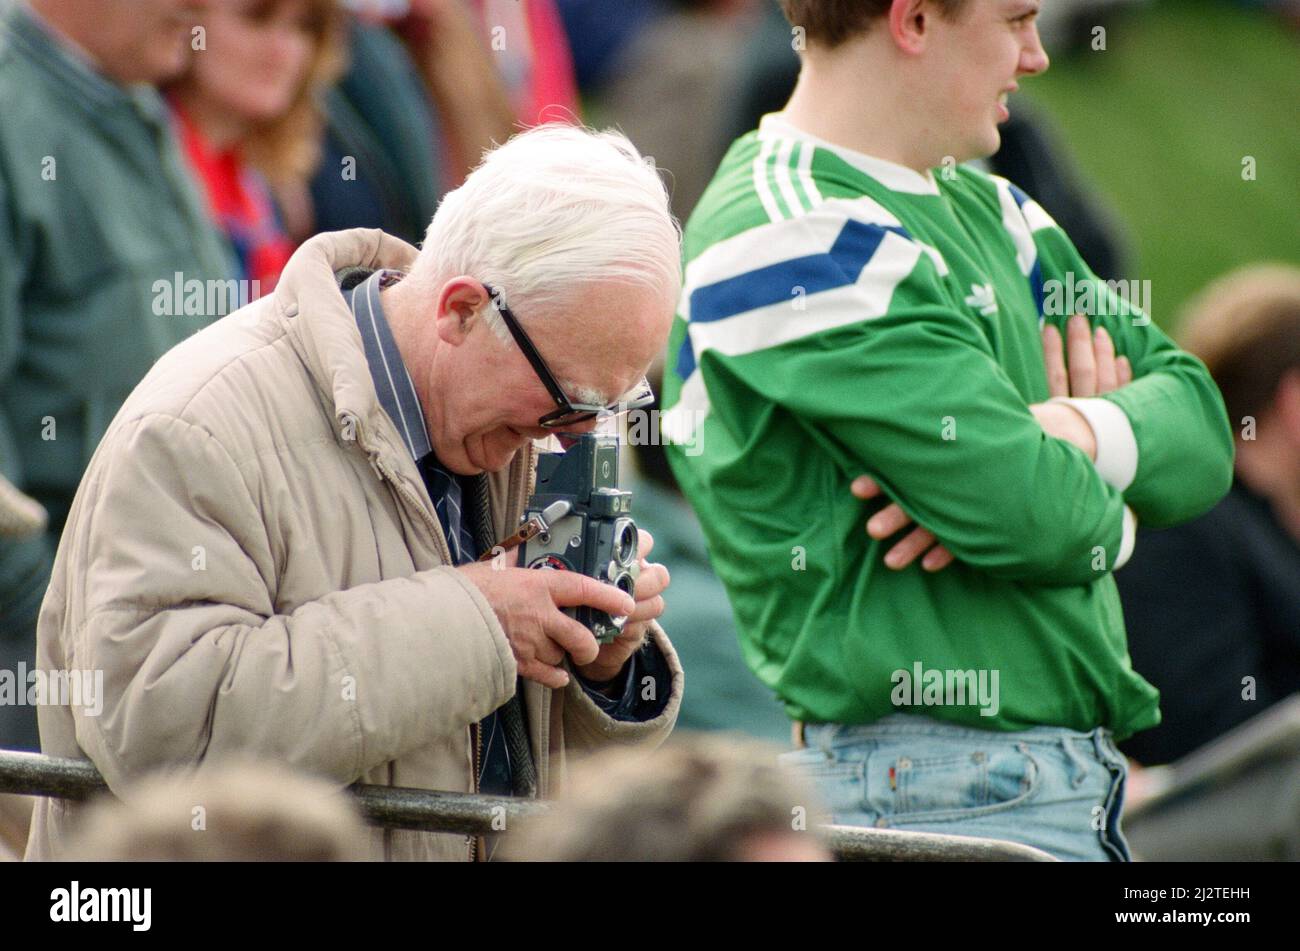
551, 212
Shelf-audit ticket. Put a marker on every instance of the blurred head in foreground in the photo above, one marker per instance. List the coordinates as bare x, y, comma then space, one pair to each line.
235, 812
701, 798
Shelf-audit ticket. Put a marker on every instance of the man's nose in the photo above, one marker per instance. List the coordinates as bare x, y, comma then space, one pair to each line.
1033, 58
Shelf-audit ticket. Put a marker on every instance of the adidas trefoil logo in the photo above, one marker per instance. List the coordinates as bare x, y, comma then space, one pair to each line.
981, 298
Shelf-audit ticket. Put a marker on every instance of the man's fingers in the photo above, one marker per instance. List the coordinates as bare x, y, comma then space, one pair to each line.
909, 549
544, 674
1058, 384
1081, 356
549, 653
887, 521
653, 580
645, 542
864, 487
570, 636
1104, 350
569, 589
937, 558
647, 610
1124, 371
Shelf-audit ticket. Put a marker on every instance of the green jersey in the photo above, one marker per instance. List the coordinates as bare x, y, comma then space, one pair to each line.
844, 315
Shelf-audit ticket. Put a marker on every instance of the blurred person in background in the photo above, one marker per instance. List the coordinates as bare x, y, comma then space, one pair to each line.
96, 207
20, 515
670, 88
1212, 606
532, 56
431, 85
599, 33
236, 810
249, 118
700, 798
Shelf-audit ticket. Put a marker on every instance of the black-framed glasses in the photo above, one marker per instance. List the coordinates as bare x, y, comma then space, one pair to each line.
567, 412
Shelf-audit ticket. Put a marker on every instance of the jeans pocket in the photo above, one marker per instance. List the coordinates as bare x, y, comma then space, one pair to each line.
965, 785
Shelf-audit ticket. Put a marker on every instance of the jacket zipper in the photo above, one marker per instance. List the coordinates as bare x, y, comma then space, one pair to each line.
386, 475
477, 737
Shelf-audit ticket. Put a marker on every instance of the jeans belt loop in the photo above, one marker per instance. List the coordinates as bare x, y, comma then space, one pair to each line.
1080, 763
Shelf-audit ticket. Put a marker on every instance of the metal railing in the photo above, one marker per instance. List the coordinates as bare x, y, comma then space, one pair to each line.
423, 810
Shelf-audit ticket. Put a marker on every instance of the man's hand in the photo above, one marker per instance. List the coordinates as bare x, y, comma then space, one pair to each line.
650, 586
1093, 369
891, 519
527, 602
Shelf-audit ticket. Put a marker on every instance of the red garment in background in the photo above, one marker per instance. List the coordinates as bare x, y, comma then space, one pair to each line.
539, 73
240, 203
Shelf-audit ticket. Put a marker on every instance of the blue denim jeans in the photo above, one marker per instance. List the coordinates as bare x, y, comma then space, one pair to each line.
1056, 789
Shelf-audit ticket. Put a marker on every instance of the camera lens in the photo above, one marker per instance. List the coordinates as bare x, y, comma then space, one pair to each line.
626, 583
625, 541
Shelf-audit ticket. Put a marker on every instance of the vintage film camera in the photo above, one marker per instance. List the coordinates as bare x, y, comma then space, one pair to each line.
579, 520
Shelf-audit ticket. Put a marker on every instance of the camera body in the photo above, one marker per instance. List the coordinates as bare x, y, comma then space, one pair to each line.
597, 536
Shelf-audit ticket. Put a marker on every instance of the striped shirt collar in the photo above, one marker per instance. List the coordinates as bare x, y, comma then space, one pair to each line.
892, 175
393, 383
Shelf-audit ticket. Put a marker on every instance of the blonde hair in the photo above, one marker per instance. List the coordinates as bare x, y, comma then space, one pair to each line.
288, 148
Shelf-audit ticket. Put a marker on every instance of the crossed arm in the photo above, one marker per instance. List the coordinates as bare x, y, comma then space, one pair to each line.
1093, 369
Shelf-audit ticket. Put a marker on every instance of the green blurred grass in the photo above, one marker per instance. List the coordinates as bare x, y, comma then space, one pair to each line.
1160, 121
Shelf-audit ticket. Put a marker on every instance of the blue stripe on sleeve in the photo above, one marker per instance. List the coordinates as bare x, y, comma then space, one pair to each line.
840, 266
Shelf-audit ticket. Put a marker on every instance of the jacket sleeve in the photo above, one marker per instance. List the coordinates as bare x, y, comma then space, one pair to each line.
1164, 440
197, 662
890, 379
587, 728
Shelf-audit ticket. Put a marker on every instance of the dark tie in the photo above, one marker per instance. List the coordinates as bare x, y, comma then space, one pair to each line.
445, 490
523, 774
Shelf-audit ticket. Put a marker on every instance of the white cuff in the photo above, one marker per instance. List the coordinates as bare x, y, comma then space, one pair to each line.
1128, 539
1117, 449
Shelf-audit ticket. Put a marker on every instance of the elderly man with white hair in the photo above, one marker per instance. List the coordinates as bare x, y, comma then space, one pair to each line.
274, 550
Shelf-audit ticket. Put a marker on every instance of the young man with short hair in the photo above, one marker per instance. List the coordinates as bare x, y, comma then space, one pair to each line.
857, 301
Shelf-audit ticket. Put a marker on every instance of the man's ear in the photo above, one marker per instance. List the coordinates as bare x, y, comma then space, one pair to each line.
909, 24
460, 302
